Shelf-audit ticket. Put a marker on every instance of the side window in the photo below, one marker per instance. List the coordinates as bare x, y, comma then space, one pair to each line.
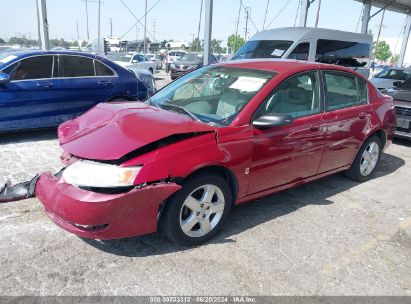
76, 66
341, 91
345, 53
300, 52
362, 91
138, 58
297, 96
38, 67
102, 69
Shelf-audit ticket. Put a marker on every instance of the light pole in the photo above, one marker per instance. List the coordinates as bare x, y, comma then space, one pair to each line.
98, 29
43, 24
88, 33
145, 30
207, 30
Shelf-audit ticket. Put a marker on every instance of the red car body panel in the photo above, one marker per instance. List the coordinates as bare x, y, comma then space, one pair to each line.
111, 130
259, 161
115, 215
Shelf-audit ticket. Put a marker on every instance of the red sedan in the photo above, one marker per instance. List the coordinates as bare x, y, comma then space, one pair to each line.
219, 136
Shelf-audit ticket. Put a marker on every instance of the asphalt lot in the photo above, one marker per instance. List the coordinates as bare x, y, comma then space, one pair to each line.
329, 237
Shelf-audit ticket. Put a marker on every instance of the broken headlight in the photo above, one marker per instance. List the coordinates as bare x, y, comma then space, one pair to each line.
85, 173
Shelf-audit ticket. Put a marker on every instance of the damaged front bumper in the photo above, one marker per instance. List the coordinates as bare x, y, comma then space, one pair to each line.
102, 216
17, 192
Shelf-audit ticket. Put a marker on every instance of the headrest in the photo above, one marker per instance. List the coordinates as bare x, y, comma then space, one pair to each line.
297, 96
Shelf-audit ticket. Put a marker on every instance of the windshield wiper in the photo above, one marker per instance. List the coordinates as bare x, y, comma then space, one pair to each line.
179, 109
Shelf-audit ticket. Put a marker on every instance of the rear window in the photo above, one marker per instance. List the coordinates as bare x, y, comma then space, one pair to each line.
395, 74
102, 69
76, 66
344, 53
406, 85
262, 49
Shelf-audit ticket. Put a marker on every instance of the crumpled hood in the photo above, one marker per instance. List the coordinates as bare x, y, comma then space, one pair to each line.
111, 130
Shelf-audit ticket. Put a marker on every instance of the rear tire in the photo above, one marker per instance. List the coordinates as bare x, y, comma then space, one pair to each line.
198, 211
151, 71
367, 159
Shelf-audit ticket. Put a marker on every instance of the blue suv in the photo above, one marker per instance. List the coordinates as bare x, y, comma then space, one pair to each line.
45, 88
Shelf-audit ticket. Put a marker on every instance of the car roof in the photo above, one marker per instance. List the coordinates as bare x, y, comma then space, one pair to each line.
284, 65
299, 33
29, 52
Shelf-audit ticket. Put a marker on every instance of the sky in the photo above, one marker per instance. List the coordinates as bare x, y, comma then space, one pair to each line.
179, 19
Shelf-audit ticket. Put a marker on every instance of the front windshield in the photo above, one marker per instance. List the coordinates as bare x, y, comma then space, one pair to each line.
213, 94
192, 57
394, 74
262, 49
120, 57
406, 85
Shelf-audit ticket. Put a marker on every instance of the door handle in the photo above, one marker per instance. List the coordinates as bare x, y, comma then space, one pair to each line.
314, 127
104, 82
44, 84
362, 115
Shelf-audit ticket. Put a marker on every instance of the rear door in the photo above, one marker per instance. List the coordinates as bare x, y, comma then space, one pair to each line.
81, 88
30, 100
348, 116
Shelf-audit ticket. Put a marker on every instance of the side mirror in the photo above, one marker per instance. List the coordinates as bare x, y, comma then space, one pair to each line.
397, 83
273, 120
4, 78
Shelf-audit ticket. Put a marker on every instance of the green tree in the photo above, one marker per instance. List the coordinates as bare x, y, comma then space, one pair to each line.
84, 43
234, 43
23, 41
382, 51
197, 45
2, 40
394, 59
216, 46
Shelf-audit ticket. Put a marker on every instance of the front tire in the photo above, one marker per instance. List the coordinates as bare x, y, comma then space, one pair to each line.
366, 160
198, 211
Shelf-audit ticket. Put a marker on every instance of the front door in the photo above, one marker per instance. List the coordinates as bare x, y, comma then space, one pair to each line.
290, 153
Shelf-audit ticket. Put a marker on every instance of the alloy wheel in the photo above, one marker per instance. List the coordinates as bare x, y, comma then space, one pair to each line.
369, 158
202, 210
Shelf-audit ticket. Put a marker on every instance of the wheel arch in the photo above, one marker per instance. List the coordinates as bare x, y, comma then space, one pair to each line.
380, 133
211, 169
222, 171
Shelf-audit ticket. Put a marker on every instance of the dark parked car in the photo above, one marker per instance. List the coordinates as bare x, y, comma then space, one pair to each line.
45, 88
187, 63
401, 93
